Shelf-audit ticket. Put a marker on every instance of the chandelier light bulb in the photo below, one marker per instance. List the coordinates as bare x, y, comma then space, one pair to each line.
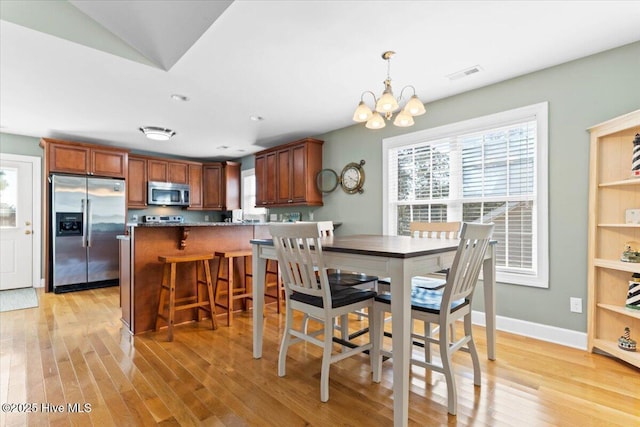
362, 113
415, 107
403, 119
375, 122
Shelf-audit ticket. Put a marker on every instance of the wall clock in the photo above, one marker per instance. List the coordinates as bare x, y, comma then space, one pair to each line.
352, 178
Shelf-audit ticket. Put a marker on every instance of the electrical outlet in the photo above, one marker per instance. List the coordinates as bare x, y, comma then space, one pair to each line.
575, 305
206, 218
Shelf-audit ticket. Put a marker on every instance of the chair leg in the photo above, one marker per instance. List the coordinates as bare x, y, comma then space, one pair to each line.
172, 301
212, 301
472, 350
286, 341
326, 361
427, 344
447, 367
163, 291
376, 336
344, 330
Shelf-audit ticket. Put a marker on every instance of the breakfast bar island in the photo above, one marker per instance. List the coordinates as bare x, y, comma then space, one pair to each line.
141, 271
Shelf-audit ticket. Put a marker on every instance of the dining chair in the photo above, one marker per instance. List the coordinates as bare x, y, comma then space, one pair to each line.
299, 251
343, 278
443, 308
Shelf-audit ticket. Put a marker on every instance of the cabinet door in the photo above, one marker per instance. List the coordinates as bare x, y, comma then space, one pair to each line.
108, 163
299, 179
195, 186
157, 170
212, 187
178, 172
261, 180
284, 177
137, 183
68, 158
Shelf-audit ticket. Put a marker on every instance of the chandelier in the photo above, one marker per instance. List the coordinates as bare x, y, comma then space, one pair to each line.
387, 104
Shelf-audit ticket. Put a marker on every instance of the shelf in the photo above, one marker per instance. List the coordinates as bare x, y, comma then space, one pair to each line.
621, 183
621, 310
611, 347
620, 225
631, 267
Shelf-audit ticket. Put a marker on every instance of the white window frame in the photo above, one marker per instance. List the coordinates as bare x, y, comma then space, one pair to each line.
248, 173
538, 111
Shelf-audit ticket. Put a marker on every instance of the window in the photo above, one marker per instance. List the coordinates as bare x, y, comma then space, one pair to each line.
249, 194
490, 169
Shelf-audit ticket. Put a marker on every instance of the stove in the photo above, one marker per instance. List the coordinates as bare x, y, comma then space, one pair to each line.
157, 219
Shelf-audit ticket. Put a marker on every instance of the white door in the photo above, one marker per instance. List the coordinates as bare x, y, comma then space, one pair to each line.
18, 175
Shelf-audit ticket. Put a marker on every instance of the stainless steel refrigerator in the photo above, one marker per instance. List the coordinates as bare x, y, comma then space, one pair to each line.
86, 215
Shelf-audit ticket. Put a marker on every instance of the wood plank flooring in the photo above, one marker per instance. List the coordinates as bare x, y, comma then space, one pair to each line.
73, 349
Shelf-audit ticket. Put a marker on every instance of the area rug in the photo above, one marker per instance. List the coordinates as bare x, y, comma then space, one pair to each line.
17, 299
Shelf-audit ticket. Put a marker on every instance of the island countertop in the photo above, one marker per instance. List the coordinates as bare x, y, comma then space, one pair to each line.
194, 224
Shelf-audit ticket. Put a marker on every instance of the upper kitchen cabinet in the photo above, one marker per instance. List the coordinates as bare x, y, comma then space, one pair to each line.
286, 175
84, 159
168, 171
137, 183
195, 186
221, 186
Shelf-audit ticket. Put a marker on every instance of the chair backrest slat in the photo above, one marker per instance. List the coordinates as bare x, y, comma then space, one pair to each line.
299, 253
465, 269
439, 230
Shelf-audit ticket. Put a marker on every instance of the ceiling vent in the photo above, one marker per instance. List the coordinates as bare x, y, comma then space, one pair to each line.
464, 73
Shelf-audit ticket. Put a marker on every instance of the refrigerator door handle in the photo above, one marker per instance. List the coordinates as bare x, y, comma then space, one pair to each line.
89, 225
84, 222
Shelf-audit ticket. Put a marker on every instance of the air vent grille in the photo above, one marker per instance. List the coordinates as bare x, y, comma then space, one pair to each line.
464, 73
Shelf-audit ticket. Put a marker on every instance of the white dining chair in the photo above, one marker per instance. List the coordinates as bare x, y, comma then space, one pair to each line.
304, 273
342, 278
443, 308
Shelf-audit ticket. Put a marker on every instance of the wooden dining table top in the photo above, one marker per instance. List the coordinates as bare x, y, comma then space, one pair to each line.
381, 245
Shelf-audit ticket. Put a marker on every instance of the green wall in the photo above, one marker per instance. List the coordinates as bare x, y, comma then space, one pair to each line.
580, 93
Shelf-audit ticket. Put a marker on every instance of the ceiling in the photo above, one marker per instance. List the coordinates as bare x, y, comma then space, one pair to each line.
97, 70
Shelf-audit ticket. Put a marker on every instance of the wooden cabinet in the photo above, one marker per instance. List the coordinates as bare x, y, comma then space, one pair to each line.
168, 171
137, 183
612, 191
265, 165
195, 186
286, 175
85, 159
221, 185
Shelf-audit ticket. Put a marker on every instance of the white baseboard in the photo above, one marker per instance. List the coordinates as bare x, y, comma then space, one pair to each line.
538, 331
41, 284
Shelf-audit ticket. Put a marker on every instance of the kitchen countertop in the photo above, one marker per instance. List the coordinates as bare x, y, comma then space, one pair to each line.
194, 224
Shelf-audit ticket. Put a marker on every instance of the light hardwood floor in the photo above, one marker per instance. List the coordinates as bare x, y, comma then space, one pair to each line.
74, 349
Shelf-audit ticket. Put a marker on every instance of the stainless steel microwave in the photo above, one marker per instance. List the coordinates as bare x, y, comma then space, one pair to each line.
167, 194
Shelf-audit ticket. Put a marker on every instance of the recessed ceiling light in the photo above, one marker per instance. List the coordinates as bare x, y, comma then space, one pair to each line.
223, 147
178, 97
157, 133
257, 118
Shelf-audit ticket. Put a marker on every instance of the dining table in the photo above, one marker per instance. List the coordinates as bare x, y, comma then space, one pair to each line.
396, 257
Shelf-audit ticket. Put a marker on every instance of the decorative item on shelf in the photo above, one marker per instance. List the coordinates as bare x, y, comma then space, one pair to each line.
387, 104
631, 252
632, 216
352, 177
625, 342
635, 163
327, 180
633, 296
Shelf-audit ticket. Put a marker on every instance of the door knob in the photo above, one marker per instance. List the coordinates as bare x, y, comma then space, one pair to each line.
27, 223
27, 232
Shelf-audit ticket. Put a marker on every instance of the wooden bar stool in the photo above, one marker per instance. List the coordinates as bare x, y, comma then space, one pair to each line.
168, 285
274, 280
232, 292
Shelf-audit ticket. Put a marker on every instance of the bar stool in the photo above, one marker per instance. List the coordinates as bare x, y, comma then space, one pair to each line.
274, 280
168, 285
231, 291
